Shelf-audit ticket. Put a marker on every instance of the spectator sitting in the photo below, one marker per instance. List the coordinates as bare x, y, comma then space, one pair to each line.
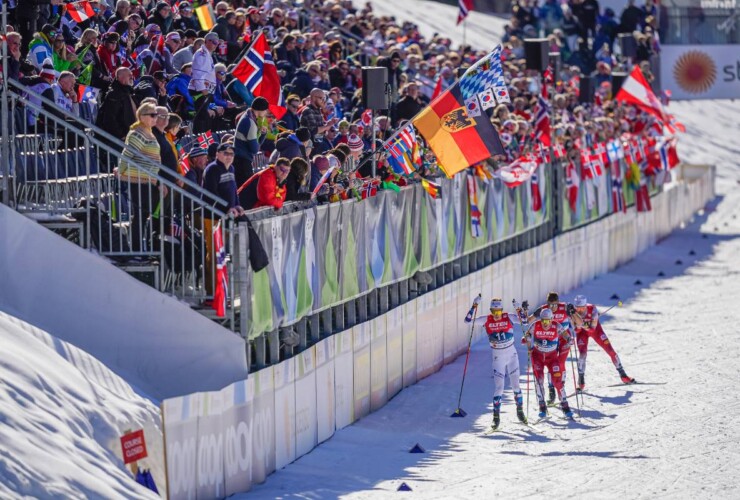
186, 21
197, 160
290, 118
356, 147
180, 100
306, 79
266, 188
153, 87
185, 55
162, 17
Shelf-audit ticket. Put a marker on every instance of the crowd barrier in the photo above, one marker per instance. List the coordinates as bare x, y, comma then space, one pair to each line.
220, 443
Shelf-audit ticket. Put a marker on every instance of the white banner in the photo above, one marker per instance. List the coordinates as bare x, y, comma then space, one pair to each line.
378, 364
325, 389
305, 402
343, 379
394, 333
284, 413
409, 343
361, 348
700, 71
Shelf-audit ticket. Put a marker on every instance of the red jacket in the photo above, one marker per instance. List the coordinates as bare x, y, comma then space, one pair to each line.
269, 194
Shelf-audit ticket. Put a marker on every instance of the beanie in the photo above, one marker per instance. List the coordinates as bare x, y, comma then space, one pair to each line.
303, 134
355, 143
260, 104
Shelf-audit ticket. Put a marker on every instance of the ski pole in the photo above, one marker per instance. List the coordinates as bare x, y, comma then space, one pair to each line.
522, 313
472, 314
618, 304
575, 383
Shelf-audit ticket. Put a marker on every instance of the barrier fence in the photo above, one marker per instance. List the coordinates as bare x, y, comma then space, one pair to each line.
223, 442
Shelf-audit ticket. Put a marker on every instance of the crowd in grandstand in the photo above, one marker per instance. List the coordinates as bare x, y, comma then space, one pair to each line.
156, 75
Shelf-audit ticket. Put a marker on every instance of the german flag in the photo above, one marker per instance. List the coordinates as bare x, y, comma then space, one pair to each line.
458, 139
431, 188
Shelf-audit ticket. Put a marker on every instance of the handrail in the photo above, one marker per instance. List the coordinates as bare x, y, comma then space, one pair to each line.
97, 131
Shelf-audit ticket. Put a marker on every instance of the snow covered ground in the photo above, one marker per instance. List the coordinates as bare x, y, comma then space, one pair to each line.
672, 436
482, 30
61, 415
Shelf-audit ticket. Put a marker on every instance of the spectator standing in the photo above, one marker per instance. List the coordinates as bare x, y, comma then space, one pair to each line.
247, 139
139, 169
410, 104
117, 110
631, 18
312, 117
203, 83
167, 153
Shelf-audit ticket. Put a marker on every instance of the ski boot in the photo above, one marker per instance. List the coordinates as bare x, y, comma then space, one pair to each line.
520, 414
581, 382
567, 411
496, 420
543, 410
551, 396
626, 379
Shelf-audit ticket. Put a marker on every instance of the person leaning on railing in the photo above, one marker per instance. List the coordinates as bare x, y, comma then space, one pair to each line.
139, 170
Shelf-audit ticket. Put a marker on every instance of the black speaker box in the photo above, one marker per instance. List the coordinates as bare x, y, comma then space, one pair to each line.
537, 53
617, 81
556, 64
374, 87
586, 90
627, 45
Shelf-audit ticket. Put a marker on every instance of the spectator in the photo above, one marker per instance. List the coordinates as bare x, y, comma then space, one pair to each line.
222, 104
356, 147
247, 139
167, 153
39, 50
186, 21
185, 55
551, 15
306, 79
296, 188
266, 188
291, 118
218, 182
162, 17
410, 105
203, 82
197, 160
27, 15
180, 100
109, 56
122, 11
152, 87
312, 117
631, 18
16, 62
139, 169
118, 112
586, 11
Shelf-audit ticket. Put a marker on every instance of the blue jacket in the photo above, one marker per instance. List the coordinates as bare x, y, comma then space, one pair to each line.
179, 86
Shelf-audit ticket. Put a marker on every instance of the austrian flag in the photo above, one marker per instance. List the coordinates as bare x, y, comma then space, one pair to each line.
80, 11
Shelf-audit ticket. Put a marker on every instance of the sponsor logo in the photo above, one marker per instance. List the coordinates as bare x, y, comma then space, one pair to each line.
695, 71
456, 120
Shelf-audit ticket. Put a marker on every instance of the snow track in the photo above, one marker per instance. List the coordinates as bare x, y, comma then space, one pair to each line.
673, 435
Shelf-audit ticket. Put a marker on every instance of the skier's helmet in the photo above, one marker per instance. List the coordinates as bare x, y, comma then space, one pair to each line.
580, 301
546, 317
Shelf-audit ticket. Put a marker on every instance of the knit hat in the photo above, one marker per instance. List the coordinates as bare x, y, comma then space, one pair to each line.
260, 104
303, 134
224, 146
48, 71
355, 143
196, 152
321, 162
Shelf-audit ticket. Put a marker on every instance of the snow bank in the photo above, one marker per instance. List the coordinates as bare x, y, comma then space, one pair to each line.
61, 415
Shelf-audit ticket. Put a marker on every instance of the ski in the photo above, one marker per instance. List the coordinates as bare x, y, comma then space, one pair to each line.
635, 382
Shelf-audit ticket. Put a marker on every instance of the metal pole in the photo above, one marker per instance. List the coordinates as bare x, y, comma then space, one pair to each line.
4, 112
375, 158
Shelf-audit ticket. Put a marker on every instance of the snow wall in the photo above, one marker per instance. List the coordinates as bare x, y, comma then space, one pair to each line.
160, 346
220, 443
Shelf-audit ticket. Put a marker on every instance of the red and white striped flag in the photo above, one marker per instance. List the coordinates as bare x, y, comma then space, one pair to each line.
221, 290
80, 11
465, 7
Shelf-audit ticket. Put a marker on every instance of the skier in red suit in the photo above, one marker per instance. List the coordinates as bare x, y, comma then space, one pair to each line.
544, 339
586, 321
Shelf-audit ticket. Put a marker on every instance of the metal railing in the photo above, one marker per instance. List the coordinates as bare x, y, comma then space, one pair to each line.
697, 26
60, 169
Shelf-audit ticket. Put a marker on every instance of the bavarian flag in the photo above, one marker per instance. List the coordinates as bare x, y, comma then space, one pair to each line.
460, 138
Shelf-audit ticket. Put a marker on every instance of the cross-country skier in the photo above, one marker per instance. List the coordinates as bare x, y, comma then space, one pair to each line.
544, 338
586, 321
500, 330
560, 316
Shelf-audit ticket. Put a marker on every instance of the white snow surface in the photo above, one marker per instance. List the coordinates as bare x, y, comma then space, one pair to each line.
481, 31
673, 436
61, 416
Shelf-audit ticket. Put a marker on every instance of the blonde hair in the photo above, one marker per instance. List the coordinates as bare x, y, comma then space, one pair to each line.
145, 108
86, 38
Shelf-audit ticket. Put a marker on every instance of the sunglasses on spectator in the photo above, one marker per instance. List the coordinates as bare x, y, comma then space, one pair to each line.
221, 72
149, 114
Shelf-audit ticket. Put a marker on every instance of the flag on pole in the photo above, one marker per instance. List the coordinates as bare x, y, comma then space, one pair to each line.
487, 73
205, 139
431, 187
475, 214
206, 17
572, 184
323, 180
542, 122
457, 139
80, 11
403, 151
618, 203
221, 290
636, 90
465, 7
437, 88
257, 71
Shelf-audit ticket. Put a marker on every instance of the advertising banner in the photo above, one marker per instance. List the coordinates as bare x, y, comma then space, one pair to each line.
361, 346
378, 364
700, 71
409, 343
343, 379
284, 377
263, 425
325, 404
394, 335
238, 437
305, 402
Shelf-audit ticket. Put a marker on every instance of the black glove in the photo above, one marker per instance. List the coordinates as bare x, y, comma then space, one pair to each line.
525, 305
570, 309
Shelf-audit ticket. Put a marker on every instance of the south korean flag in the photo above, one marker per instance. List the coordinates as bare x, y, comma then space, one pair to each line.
473, 106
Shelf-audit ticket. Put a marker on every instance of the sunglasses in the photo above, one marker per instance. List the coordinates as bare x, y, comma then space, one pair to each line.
221, 72
149, 114
227, 153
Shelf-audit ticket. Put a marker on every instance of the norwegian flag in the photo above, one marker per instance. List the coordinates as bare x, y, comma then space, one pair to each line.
184, 164
542, 122
367, 117
558, 150
572, 184
543, 154
536, 192
221, 290
618, 204
465, 7
205, 139
257, 71
80, 11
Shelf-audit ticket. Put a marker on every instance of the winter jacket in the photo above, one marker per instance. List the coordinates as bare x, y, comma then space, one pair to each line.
168, 158
178, 86
302, 83
164, 24
39, 50
262, 190
221, 182
246, 139
117, 111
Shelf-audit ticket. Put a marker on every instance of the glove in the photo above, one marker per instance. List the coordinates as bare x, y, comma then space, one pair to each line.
570, 309
525, 305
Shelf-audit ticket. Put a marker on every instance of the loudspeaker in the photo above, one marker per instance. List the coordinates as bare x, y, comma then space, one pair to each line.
617, 81
374, 87
627, 45
586, 90
556, 63
537, 53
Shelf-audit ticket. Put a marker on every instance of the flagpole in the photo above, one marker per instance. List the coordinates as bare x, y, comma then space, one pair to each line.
374, 143
465, 30
4, 104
